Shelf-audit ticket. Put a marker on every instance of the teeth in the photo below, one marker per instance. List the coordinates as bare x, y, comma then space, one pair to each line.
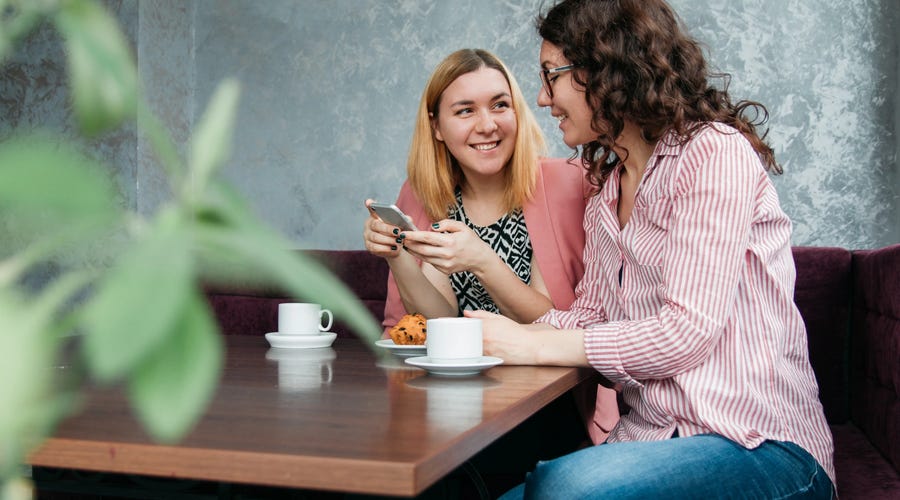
485, 147
561, 118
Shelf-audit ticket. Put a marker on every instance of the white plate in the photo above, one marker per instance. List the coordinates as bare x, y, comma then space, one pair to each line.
282, 341
401, 350
461, 369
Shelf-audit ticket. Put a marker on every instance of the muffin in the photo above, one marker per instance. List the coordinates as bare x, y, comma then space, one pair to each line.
410, 330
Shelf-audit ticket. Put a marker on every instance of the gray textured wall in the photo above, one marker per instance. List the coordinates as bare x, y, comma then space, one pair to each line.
330, 89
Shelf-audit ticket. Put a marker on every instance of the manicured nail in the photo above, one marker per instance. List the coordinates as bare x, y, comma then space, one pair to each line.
399, 240
396, 231
435, 225
393, 247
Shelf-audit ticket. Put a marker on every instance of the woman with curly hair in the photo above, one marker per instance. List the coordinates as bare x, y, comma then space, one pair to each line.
686, 303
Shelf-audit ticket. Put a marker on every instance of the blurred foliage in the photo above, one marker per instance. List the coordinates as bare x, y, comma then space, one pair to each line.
142, 321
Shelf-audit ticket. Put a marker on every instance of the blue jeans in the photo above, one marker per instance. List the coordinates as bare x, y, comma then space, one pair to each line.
705, 466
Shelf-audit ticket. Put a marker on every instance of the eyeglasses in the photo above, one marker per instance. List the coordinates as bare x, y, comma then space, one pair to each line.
547, 80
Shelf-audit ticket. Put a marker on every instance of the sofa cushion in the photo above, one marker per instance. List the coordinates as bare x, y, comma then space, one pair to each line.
822, 294
861, 471
875, 348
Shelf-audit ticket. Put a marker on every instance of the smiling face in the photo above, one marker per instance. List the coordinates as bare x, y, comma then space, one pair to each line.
568, 103
477, 123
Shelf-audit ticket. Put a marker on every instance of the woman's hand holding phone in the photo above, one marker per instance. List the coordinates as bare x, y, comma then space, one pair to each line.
451, 247
392, 215
382, 237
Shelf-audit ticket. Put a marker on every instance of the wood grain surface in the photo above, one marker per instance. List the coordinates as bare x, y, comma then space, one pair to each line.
345, 418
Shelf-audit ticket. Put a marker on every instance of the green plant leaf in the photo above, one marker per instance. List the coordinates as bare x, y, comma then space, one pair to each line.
52, 176
26, 377
227, 233
161, 144
51, 197
29, 407
17, 488
139, 299
102, 72
19, 18
210, 146
172, 387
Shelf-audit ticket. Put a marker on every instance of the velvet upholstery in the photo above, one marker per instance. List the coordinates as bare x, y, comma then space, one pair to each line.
822, 294
862, 472
253, 310
850, 302
875, 348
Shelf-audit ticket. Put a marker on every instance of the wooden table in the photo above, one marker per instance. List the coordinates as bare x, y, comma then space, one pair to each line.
339, 418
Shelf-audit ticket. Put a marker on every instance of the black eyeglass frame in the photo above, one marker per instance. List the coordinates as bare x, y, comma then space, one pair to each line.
545, 77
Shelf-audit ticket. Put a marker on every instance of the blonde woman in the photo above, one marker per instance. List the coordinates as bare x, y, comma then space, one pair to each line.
500, 229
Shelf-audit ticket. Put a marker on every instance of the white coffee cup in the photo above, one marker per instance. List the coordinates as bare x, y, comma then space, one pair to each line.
297, 318
453, 340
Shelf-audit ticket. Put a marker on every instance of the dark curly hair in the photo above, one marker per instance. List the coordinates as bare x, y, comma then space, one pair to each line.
637, 62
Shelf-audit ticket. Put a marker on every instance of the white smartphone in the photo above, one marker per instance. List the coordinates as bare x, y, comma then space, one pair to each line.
389, 213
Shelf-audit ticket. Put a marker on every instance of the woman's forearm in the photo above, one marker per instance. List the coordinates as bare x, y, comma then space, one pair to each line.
418, 293
515, 299
561, 348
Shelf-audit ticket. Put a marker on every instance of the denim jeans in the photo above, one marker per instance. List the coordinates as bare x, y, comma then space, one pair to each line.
704, 466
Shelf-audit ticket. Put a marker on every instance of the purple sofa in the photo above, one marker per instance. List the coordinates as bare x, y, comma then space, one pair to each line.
849, 300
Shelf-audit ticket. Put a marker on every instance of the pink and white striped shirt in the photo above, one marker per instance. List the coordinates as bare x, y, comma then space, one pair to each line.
701, 332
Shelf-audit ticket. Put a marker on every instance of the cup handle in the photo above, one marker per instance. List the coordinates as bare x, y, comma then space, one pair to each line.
330, 320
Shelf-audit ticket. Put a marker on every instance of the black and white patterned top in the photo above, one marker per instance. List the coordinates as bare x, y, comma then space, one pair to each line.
508, 237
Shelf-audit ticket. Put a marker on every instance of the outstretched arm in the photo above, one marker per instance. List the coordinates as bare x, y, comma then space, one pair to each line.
532, 344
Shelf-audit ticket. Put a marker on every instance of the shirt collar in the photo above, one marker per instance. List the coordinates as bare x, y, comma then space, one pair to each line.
668, 145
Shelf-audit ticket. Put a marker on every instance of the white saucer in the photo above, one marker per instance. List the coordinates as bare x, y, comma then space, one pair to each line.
455, 370
282, 341
401, 350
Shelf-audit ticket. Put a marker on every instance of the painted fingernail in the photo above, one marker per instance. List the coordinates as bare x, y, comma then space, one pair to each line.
435, 225
396, 231
399, 240
393, 247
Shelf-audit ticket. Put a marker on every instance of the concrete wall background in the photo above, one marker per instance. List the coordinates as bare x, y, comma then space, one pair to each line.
330, 89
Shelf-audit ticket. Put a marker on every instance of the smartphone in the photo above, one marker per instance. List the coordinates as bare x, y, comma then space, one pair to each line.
393, 215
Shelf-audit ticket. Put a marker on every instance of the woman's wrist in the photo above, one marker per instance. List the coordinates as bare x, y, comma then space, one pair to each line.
560, 348
490, 260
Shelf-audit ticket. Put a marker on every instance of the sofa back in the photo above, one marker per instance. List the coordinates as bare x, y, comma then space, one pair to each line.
822, 294
875, 349
248, 310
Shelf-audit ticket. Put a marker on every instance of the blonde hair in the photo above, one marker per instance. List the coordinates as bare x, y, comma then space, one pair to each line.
433, 173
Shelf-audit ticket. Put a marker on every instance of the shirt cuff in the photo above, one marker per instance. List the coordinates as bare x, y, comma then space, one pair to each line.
564, 320
602, 351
